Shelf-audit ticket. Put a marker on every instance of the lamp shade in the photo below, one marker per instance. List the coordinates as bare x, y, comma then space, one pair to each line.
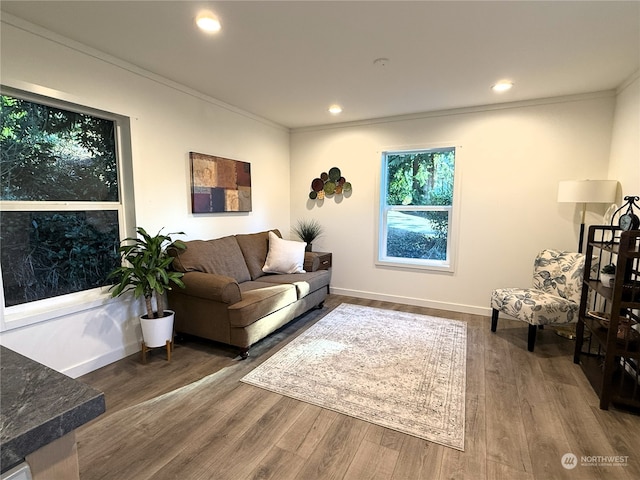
587, 191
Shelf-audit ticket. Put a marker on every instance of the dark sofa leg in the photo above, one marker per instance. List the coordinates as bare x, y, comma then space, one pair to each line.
494, 320
320, 306
531, 340
244, 353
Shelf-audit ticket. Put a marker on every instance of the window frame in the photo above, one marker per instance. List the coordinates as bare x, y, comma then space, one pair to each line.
381, 259
46, 309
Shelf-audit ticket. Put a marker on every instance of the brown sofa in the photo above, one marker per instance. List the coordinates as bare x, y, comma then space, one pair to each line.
229, 299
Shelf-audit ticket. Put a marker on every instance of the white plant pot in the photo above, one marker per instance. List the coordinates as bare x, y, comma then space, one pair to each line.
156, 331
607, 279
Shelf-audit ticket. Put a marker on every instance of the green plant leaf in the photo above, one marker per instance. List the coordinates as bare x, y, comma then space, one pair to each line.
146, 265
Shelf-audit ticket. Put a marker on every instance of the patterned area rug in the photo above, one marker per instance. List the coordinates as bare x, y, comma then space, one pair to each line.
399, 370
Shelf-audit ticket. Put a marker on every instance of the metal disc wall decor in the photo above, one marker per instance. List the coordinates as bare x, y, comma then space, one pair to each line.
317, 184
328, 184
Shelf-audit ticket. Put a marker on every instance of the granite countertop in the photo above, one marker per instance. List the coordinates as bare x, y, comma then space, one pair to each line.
39, 405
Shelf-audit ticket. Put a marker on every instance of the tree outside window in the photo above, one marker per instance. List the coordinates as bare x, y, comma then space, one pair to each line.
416, 207
59, 198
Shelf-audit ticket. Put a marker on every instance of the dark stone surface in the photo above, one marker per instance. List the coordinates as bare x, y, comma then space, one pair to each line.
39, 405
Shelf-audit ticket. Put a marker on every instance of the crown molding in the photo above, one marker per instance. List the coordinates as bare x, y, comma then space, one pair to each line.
462, 111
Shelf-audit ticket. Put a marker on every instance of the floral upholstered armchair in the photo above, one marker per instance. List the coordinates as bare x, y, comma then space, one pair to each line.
553, 299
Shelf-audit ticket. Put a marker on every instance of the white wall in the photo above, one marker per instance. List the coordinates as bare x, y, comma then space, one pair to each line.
510, 160
168, 121
624, 164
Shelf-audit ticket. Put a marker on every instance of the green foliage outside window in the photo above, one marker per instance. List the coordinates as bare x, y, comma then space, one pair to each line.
404, 243
48, 254
49, 154
422, 180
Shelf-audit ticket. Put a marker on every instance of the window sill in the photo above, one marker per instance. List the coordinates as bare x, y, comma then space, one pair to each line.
43, 310
410, 263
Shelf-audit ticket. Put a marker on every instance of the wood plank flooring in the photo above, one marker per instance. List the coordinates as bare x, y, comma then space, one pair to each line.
192, 419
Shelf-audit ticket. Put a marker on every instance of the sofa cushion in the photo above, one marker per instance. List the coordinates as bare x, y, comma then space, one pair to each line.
221, 256
259, 300
284, 256
254, 247
305, 283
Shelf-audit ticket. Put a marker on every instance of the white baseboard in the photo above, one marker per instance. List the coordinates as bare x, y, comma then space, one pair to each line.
101, 361
419, 302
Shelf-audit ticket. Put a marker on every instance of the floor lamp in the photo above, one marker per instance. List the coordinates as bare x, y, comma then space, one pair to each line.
586, 191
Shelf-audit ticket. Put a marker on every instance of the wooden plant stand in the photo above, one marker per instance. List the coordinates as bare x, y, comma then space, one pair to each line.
145, 349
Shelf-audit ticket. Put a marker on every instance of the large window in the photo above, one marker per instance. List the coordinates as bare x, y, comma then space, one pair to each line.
62, 212
416, 208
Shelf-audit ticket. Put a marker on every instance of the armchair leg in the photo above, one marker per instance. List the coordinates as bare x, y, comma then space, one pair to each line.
531, 340
494, 320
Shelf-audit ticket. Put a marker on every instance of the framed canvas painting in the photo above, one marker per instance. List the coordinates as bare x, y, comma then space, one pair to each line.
219, 184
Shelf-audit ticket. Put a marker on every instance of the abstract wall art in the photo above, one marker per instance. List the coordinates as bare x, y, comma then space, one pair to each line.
219, 184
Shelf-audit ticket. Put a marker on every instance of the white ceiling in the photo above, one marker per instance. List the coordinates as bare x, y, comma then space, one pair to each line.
288, 61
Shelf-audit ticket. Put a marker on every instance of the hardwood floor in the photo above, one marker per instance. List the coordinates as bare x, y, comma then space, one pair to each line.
192, 419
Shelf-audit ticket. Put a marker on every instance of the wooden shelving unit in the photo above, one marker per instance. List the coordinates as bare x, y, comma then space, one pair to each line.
607, 334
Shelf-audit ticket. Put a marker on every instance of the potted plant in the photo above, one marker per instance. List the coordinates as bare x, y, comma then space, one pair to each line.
308, 231
145, 271
608, 275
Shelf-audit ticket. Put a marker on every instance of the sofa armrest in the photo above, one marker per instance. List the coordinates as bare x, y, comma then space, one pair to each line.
209, 286
311, 262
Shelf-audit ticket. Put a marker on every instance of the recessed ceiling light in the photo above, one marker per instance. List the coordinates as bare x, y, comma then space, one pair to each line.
208, 22
502, 86
335, 109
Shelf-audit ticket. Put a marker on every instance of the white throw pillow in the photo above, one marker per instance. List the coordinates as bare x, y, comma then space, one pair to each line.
284, 256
